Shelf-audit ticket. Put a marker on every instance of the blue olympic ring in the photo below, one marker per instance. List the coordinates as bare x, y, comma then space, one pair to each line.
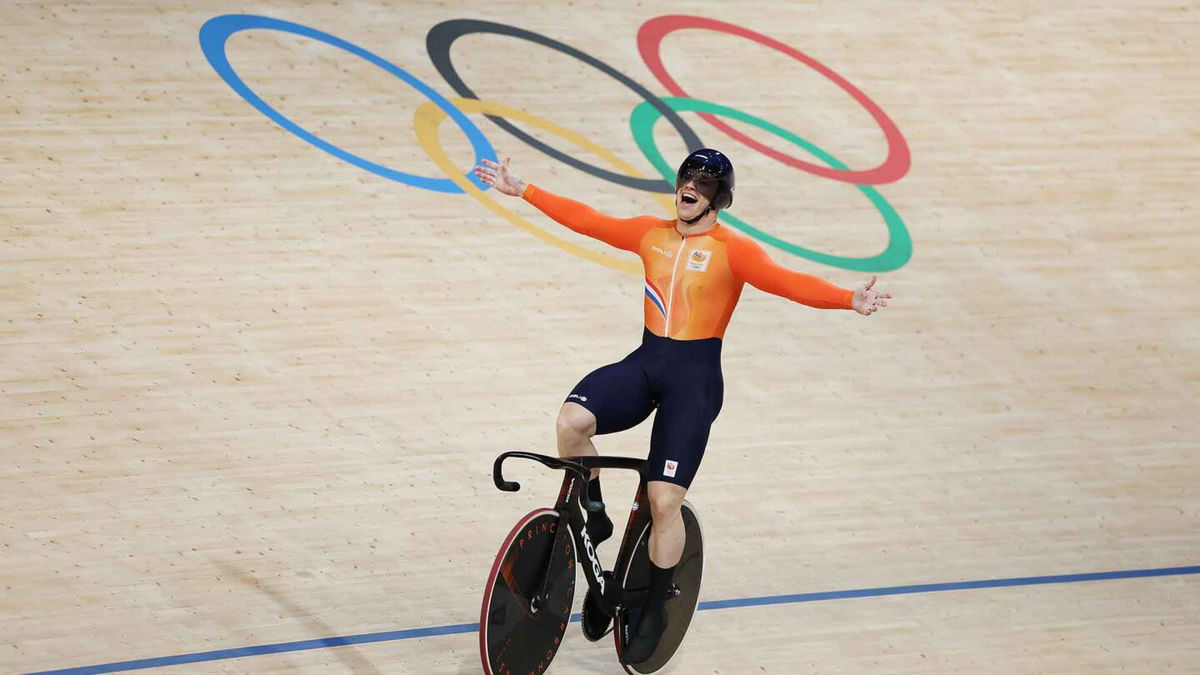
217, 31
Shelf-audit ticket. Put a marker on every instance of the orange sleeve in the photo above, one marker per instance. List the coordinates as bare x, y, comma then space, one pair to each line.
752, 265
623, 233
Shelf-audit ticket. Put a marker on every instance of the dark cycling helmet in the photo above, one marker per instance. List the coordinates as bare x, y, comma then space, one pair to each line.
712, 172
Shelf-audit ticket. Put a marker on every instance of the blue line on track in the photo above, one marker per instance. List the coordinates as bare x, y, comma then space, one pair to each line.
387, 636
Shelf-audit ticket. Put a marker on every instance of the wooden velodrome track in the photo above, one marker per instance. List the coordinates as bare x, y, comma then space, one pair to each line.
250, 392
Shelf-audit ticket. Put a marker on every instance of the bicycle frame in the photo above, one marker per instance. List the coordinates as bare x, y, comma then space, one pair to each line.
572, 493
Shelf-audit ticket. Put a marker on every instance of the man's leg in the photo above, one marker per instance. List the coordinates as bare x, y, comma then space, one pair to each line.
667, 536
574, 430
677, 445
609, 399
666, 529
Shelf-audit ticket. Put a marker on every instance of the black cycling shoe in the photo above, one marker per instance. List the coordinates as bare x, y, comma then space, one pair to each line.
596, 624
645, 638
599, 527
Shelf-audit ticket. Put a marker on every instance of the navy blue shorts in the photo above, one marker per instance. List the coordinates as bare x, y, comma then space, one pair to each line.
682, 379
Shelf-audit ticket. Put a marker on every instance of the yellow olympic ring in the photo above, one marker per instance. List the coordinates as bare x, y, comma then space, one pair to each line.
429, 118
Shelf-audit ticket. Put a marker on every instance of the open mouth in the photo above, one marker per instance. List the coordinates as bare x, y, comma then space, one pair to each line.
688, 198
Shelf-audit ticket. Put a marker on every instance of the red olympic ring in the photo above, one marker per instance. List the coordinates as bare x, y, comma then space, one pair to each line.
899, 159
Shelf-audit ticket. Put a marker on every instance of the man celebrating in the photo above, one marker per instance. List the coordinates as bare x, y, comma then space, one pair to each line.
695, 269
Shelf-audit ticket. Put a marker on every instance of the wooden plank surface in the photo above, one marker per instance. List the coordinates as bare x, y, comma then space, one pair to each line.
250, 393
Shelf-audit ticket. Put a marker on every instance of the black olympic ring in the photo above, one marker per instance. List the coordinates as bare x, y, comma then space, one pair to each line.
443, 35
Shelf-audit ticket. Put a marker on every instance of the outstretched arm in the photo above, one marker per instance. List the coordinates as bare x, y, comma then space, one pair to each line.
752, 264
623, 233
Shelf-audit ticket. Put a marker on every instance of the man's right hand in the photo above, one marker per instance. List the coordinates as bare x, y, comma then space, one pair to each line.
500, 177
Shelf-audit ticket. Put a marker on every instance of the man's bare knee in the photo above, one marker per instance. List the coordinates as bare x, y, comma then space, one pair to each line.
666, 500
575, 423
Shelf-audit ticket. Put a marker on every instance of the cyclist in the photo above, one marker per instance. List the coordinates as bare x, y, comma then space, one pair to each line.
695, 269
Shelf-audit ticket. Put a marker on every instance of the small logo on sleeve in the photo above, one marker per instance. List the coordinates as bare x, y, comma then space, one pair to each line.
670, 467
698, 261
581, 398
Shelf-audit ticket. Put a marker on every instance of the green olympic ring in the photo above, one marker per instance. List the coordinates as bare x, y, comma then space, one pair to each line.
899, 248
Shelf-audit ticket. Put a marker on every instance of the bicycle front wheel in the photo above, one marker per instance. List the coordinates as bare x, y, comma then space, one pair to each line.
517, 635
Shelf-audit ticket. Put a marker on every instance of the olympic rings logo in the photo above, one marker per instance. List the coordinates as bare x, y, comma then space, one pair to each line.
215, 33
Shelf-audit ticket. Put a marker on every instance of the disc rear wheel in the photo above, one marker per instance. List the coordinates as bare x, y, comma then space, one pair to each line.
680, 608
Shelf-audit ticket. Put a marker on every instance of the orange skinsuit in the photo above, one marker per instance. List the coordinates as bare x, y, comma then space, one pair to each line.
693, 282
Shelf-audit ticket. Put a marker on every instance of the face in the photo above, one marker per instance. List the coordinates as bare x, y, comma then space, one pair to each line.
694, 194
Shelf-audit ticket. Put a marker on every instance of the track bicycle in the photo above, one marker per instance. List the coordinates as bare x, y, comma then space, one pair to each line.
530, 591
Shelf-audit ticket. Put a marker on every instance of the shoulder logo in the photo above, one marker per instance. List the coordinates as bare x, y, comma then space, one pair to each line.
698, 261
659, 249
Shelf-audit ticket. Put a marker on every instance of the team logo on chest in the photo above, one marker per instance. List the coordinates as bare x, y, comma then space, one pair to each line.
698, 261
